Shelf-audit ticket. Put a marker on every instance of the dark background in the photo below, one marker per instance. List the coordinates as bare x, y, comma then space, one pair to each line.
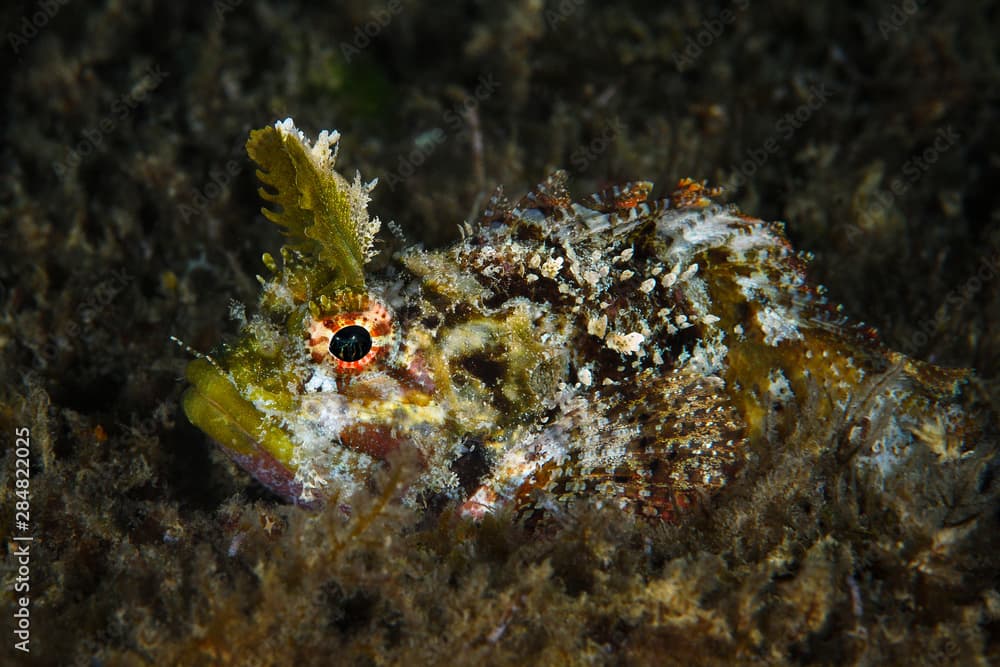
128, 214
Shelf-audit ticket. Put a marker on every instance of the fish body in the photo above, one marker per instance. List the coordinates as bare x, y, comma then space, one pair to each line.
611, 350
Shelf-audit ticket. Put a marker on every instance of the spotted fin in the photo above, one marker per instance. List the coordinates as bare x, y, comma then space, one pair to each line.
675, 440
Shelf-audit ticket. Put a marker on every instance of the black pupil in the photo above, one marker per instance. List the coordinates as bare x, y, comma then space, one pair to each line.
351, 343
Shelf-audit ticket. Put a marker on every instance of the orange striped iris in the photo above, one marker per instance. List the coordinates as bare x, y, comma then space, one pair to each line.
355, 336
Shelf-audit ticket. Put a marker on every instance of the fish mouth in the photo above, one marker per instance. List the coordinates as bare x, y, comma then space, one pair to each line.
369, 418
214, 405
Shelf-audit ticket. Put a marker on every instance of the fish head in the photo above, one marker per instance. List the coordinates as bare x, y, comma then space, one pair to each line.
321, 384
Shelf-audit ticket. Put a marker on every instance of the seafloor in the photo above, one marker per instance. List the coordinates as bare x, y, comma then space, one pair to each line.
128, 214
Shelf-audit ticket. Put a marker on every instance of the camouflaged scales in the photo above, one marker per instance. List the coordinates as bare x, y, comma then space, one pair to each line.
612, 350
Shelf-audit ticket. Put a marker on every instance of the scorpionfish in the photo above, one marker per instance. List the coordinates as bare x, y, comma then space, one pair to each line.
615, 350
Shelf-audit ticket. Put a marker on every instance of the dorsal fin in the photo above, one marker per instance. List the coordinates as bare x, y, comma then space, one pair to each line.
618, 198
691, 194
497, 208
548, 196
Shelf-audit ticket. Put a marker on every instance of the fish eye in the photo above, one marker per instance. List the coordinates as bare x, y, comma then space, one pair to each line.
351, 343
354, 333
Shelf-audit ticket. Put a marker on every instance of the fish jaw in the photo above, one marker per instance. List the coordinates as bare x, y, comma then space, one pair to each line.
294, 452
214, 404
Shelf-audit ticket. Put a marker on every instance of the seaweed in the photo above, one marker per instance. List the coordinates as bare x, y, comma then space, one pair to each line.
151, 547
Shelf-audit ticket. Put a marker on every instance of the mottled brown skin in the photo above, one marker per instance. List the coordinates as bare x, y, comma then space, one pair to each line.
660, 437
645, 442
613, 351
